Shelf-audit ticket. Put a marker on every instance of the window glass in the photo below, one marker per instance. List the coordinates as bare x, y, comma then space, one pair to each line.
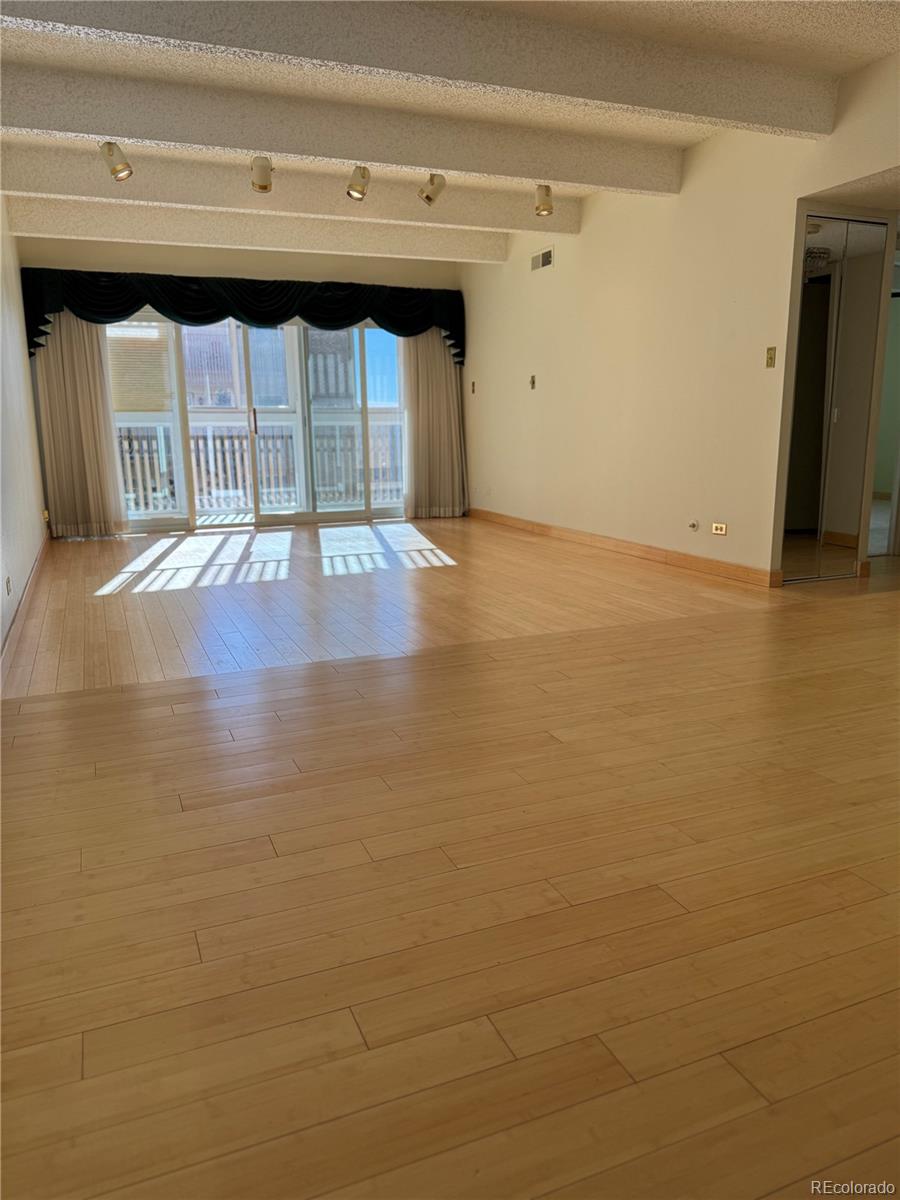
386, 420
213, 365
312, 448
268, 369
382, 373
141, 363
140, 355
331, 368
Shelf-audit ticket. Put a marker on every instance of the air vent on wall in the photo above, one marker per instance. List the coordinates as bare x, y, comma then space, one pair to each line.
542, 259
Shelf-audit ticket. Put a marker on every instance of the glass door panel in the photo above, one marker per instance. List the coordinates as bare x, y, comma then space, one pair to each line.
220, 463
222, 424
141, 361
275, 381
386, 420
336, 420
218, 421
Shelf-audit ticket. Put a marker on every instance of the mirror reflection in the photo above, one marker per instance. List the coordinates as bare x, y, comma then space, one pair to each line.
843, 264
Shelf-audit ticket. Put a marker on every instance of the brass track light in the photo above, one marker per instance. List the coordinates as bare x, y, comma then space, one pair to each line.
433, 189
261, 173
359, 183
543, 200
118, 164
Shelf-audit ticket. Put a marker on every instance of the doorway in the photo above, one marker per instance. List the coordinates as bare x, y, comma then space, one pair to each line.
840, 305
226, 424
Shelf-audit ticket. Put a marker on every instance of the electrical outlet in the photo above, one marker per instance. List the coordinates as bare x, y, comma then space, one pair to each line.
720, 528
770, 357
8, 586
533, 382
473, 387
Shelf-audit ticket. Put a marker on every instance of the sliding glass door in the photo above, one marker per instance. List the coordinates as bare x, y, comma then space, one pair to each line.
336, 420
279, 421
215, 394
226, 424
143, 373
387, 432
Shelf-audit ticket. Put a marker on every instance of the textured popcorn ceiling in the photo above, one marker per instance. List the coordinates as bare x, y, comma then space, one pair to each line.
496, 96
834, 36
288, 168
881, 190
140, 57
169, 226
478, 62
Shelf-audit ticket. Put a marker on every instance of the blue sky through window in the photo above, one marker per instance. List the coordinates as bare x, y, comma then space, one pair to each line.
382, 381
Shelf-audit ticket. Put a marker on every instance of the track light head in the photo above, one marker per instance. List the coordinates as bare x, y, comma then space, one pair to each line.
359, 183
261, 173
433, 189
118, 164
543, 200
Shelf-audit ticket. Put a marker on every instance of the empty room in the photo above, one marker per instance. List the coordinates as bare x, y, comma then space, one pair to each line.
451, 599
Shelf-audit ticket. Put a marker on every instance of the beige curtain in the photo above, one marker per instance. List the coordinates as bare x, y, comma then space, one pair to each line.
436, 483
78, 434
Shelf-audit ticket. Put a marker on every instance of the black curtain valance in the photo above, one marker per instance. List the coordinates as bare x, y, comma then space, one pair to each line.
104, 297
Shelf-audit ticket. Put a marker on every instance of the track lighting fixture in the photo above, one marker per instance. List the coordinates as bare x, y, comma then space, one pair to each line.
261, 173
359, 183
543, 200
118, 164
433, 189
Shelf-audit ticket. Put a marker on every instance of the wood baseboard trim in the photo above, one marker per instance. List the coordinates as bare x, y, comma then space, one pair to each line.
758, 576
15, 625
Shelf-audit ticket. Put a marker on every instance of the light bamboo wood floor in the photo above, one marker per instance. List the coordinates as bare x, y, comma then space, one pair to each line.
143, 609
608, 912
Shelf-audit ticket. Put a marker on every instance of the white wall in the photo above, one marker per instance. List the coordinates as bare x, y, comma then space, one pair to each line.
22, 499
653, 405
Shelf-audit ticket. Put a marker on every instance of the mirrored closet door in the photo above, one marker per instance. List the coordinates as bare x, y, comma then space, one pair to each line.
841, 300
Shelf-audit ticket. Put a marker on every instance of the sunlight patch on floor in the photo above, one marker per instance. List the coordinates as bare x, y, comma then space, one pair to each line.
216, 558
360, 549
205, 560
353, 564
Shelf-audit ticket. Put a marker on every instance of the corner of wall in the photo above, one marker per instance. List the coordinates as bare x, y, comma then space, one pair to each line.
23, 528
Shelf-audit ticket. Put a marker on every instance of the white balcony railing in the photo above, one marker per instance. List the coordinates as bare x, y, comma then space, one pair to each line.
276, 458
386, 452
220, 468
338, 463
219, 462
148, 468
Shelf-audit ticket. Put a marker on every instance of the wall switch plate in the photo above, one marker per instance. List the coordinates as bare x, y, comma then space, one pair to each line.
720, 528
770, 356
8, 586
